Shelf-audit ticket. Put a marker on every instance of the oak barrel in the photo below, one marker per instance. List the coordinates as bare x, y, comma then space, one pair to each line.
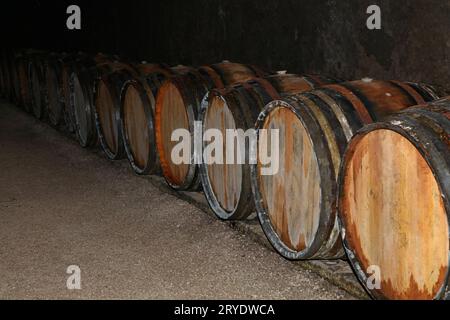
74, 63
9, 76
107, 109
15, 81
394, 203
69, 64
178, 106
137, 114
22, 71
55, 101
82, 82
297, 204
2, 73
227, 187
6, 78
36, 76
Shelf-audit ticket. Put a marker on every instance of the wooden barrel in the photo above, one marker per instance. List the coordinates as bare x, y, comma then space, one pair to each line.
227, 187
55, 101
394, 203
74, 63
2, 74
178, 106
6, 74
22, 71
107, 109
82, 83
296, 204
69, 64
137, 116
36, 76
15, 81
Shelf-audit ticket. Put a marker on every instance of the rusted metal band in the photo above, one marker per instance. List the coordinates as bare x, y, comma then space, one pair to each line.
327, 130
270, 90
337, 111
315, 80
355, 101
413, 93
215, 76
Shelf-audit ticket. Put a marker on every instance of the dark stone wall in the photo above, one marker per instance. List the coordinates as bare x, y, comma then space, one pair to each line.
322, 36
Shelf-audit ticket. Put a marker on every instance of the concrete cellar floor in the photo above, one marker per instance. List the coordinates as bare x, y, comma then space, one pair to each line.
61, 205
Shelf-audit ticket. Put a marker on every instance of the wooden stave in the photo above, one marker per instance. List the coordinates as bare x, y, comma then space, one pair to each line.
434, 149
113, 83
193, 85
147, 85
330, 248
256, 93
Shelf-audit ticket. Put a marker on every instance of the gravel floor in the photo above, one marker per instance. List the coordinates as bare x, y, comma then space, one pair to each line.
61, 205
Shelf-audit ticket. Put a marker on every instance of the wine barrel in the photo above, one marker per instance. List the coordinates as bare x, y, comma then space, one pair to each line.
83, 82
55, 101
178, 106
15, 81
70, 64
36, 76
296, 204
107, 109
394, 203
137, 114
22, 71
227, 187
6, 75
2, 74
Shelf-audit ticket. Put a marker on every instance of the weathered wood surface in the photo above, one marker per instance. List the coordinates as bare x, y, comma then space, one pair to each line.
394, 202
137, 113
175, 117
136, 127
108, 91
